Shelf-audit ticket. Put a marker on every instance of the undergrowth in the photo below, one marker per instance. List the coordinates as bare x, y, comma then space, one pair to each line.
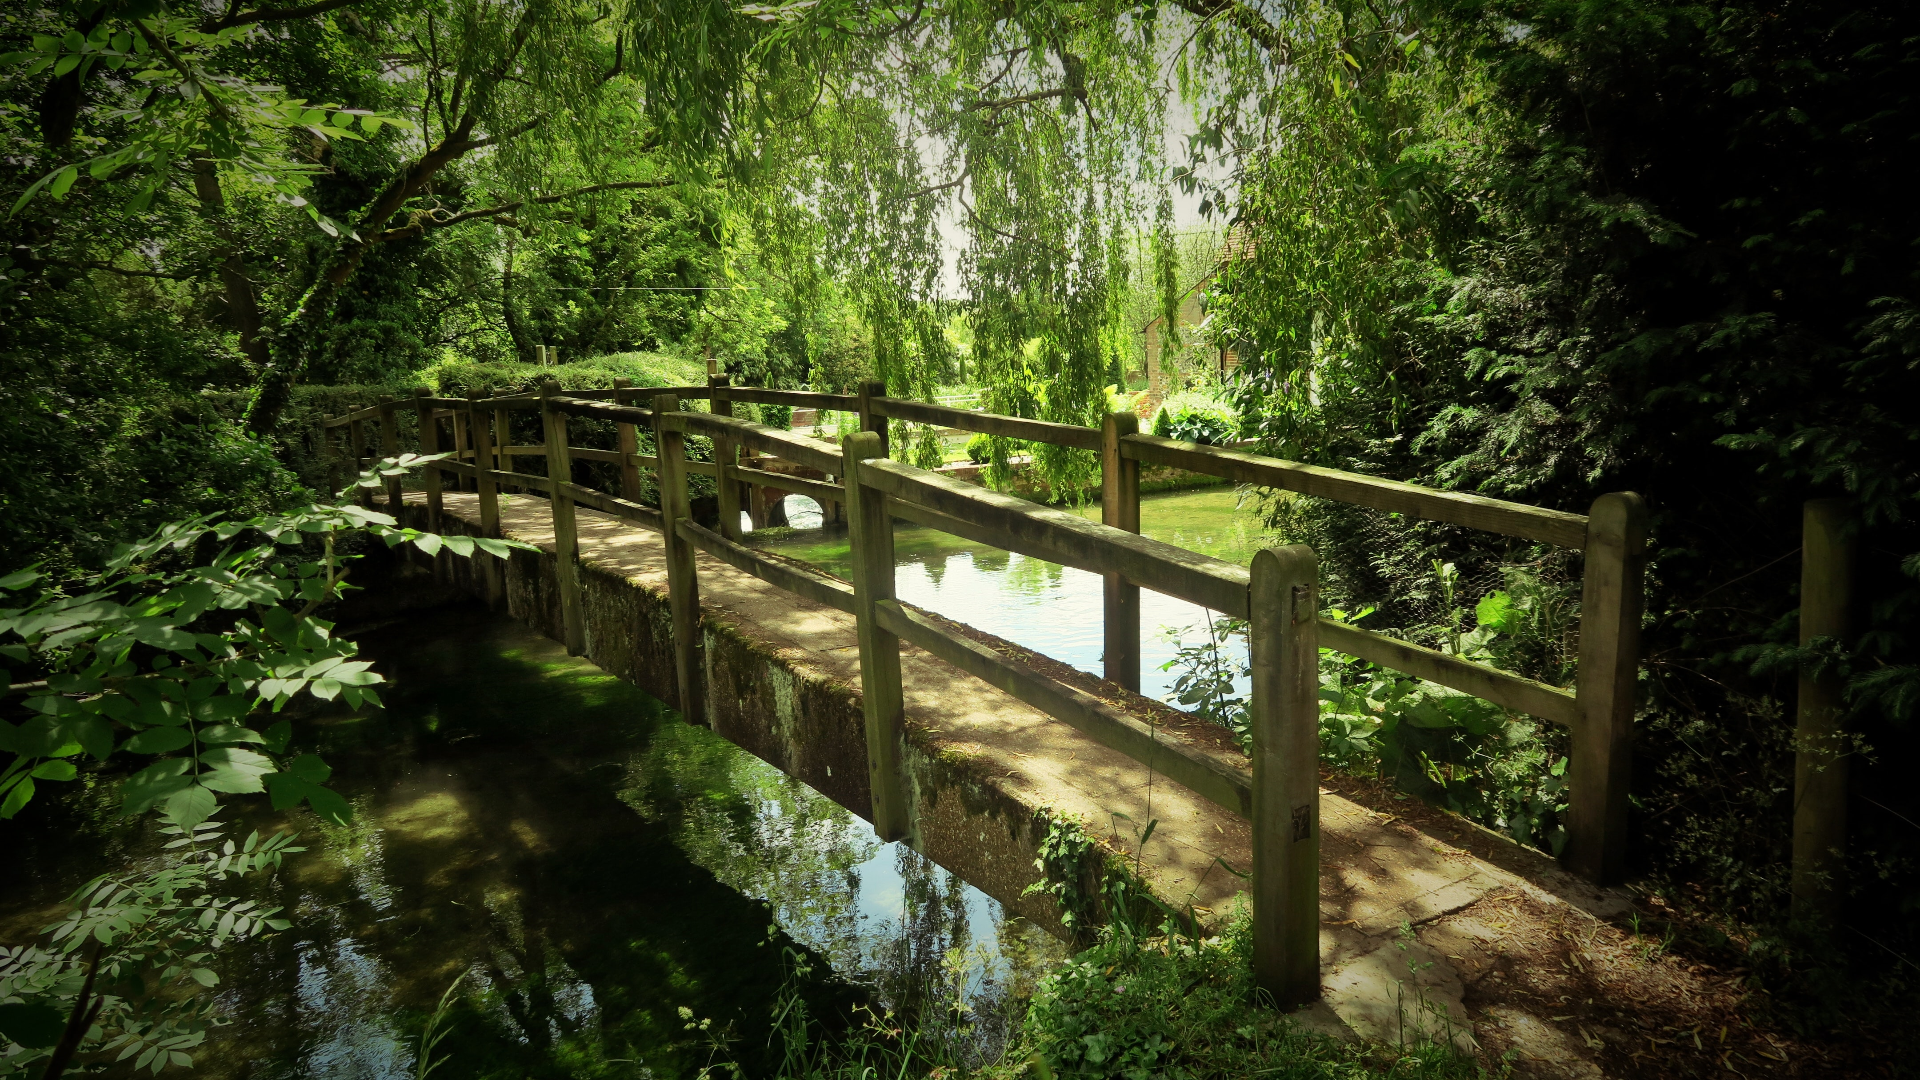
1136, 1005
1499, 768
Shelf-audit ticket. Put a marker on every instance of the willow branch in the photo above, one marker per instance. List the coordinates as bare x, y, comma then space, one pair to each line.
513, 133
1247, 21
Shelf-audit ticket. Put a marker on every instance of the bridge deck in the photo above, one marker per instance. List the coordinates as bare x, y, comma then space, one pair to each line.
1377, 873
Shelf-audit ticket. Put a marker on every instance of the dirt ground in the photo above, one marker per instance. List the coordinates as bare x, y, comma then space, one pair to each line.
1560, 994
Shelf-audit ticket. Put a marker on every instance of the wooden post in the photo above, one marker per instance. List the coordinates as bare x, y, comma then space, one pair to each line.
566, 540
429, 444
1283, 599
1820, 743
683, 582
463, 445
332, 454
1601, 765
357, 439
870, 420
389, 448
493, 575
726, 455
627, 438
882, 696
1120, 508
502, 438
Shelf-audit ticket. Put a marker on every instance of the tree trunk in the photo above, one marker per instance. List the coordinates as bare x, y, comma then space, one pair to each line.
522, 344
243, 308
303, 323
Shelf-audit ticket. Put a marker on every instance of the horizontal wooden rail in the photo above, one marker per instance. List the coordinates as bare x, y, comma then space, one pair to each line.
644, 516
1474, 511
813, 489
814, 586
1503, 688
1057, 536
799, 449
799, 399
1012, 427
522, 480
1214, 776
579, 405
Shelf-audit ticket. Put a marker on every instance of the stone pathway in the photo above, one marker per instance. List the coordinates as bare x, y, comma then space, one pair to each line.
1395, 957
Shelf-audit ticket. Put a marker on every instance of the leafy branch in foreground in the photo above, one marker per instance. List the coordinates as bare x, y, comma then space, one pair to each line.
120, 976
179, 104
177, 664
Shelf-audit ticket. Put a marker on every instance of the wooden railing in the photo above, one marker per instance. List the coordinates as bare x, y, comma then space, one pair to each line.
1278, 595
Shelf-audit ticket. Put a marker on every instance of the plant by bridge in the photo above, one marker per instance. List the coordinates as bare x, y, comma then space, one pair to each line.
181, 663
176, 654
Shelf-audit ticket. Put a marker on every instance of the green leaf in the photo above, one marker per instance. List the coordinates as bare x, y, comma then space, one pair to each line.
328, 804
55, 770
20, 579
159, 740
1494, 609
160, 780
234, 770
309, 768
229, 734
204, 977
18, 796
278, 736
34, 1025
159, 634
190, 807
281, 624
427, 542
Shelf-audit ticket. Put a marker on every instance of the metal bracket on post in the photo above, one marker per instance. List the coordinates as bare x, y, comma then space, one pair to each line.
882, 696
683, 582
1283, 600
873, 421
627, 441
726, 455
390, 447
1821, 748
1120, 508
566, 539
1600, 764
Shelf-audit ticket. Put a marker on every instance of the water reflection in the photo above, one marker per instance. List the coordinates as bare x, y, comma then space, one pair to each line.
1052, 609
582, 862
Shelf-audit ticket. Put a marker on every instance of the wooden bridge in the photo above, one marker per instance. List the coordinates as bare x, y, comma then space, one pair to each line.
1269, 808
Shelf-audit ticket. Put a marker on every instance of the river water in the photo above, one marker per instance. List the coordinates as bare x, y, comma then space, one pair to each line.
583, 862
1051, 609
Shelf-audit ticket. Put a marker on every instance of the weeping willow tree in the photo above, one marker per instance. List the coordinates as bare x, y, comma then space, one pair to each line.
873, 140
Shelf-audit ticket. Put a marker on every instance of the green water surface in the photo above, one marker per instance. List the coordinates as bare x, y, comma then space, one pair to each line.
584, 863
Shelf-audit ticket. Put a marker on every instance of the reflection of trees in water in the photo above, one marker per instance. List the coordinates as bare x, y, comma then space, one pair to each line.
881, 914
500, 846
1034, 576
496, 835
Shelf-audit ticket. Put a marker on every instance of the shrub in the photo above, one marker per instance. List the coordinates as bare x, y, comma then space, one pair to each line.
980, 448
1193, 417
